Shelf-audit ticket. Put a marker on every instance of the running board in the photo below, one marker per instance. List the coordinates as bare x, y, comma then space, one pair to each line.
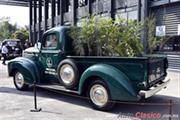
57, 87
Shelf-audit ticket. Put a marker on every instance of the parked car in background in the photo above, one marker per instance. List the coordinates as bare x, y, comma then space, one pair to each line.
14, 48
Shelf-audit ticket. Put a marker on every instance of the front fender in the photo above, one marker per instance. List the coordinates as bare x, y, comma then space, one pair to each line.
26, 66
119, 84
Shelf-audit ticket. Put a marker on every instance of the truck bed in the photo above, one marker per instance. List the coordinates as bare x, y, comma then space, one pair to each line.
138, 69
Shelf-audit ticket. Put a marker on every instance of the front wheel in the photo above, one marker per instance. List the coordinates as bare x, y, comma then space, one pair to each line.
99, 95
19, 81
68, 73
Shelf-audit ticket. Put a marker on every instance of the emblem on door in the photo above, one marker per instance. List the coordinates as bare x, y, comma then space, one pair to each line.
49, 62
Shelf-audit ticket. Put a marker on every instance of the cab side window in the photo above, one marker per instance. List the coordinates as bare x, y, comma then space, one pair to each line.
50, 41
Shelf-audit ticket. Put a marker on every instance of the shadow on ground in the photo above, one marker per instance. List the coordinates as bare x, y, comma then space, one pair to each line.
156, 104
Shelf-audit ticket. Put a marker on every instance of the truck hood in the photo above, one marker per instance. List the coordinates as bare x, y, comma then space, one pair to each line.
32, 50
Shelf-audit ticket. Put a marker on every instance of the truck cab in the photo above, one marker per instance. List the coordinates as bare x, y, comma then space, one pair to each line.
103, 79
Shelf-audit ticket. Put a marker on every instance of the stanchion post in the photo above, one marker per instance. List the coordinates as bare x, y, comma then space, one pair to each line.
170, 110
35, 99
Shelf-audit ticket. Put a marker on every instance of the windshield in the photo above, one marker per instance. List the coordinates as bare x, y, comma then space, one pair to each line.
12, 43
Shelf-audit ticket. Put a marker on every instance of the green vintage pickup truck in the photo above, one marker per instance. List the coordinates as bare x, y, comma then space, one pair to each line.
102, 79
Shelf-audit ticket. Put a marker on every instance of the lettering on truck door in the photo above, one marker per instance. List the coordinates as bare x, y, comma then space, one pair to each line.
50, 55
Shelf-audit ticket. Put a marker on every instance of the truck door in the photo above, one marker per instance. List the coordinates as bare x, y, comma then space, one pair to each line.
50, 56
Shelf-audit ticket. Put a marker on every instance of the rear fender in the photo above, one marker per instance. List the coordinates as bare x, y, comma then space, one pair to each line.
118, 83
26, 66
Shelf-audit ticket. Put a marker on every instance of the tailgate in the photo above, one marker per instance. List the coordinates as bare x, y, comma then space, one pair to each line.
157, 69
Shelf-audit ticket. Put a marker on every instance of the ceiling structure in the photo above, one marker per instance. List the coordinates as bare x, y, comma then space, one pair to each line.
23, 3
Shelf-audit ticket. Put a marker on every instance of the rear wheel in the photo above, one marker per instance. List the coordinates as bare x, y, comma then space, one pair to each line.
19, 81
99, 95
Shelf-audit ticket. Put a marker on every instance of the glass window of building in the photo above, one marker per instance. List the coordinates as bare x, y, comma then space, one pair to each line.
121, 15
132, 15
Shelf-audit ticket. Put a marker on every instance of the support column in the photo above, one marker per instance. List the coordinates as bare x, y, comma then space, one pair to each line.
53, 12
61, 12
97, 7
40, 18
144, 15
30, 21
139, 10
58, 7
35, 21
46, 10
112, 9
89, 7
74, 2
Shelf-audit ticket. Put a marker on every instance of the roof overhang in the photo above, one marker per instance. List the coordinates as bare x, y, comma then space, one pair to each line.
23, 3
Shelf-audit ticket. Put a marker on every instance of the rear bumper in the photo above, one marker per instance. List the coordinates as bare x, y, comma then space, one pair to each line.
154, 89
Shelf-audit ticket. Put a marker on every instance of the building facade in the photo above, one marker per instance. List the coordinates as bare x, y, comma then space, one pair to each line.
167, 14
45, 14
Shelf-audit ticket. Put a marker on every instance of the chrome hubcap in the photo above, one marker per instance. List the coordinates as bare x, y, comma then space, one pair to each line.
19, 79
67, 74
98, 95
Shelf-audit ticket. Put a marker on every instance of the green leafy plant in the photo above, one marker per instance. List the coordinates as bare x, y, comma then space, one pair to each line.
84, 37
104, 37
130, 43
107, 36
